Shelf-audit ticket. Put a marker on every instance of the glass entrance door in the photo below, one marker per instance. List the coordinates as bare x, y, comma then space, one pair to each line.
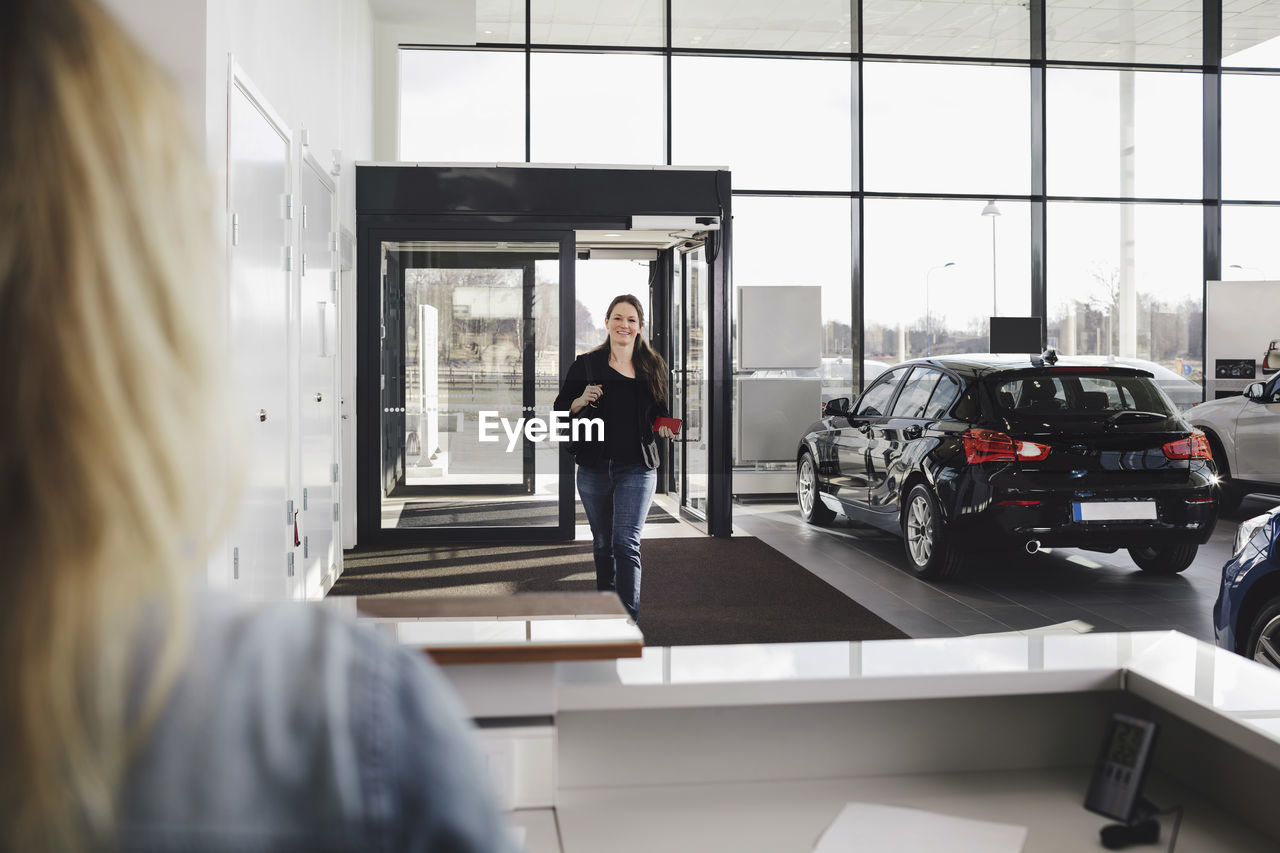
690, 302
470, 363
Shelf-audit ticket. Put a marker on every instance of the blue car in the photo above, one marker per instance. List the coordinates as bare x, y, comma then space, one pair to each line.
1246, 616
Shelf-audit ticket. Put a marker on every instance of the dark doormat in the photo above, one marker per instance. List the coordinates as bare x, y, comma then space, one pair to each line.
694, 590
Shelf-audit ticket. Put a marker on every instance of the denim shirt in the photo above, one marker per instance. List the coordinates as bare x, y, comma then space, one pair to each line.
294, 728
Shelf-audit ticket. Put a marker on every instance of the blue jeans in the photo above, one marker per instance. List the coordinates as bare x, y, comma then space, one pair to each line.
616, 498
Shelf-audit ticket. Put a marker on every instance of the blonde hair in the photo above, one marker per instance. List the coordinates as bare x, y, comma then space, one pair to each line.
108, 332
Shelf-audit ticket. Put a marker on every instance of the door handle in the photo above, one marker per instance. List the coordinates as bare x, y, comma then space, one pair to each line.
913, 431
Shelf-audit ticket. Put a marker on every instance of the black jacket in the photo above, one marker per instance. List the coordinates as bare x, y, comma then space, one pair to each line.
589, 453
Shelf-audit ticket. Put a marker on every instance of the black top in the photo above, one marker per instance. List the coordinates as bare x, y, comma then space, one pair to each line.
621, 407
627, 409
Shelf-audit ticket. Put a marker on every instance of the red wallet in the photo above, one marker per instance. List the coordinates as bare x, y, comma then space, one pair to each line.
672, 424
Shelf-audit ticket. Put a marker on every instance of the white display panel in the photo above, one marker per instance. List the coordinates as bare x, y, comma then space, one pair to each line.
779, 327
1242, 318
773, 415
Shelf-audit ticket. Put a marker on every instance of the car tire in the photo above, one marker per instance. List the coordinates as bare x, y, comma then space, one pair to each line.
1164, 559
930, 553
812, 509
1263, 644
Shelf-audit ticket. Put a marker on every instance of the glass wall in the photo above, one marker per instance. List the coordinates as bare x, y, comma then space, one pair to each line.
1126, 134
937, 270
1125, 282
776, 123
865, 167
461, 105
596, 108
935, 128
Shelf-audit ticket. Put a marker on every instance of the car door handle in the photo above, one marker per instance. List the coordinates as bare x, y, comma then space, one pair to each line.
913, 431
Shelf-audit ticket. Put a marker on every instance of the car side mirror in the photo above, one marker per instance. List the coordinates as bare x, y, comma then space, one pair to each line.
838, 406
1254, 391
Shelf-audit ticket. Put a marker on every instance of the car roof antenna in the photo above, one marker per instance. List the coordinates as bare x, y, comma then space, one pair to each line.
1049, 356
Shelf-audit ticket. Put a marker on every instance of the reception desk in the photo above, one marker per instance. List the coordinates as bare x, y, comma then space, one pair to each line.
743, 748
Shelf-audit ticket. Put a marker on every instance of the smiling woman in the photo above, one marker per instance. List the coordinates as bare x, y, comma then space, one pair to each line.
622, 381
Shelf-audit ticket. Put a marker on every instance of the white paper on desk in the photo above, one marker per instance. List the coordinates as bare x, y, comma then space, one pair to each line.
872, 828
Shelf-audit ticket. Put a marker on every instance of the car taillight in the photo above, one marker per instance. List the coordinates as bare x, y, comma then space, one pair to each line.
989, 445
1194, 446
1029, 451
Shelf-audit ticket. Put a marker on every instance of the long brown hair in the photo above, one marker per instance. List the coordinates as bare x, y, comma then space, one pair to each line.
648, 363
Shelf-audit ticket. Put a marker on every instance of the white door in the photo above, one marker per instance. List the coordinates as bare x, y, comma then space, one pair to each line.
318, 347
258, 169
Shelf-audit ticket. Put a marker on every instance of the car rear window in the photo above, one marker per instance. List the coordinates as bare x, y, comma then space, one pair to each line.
1063, 393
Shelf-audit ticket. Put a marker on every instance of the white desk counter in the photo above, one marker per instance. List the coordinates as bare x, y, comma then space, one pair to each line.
757, 747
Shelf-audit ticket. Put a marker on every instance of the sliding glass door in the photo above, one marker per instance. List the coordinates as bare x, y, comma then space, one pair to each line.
470, 364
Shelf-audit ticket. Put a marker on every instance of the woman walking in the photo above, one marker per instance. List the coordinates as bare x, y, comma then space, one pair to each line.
622, 382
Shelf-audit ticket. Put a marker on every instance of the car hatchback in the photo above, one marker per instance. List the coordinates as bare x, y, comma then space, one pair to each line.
961, 453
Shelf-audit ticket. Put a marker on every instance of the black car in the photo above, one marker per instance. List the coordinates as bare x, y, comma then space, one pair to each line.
961, 454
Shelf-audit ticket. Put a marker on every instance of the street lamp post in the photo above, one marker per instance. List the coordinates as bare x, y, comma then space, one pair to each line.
928, 319
992, 211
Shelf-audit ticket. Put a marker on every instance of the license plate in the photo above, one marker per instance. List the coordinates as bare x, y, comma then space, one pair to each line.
1144, 510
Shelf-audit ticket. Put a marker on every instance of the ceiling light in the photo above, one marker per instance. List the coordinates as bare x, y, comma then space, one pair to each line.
613, 235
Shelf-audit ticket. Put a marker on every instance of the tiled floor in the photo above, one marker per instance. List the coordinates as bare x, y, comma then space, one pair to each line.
1107, 591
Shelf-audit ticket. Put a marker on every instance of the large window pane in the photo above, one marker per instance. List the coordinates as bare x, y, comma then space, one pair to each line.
1250, 251
937, 270
618, 22
948, 28
460, 105
777, 123
1251, 33
1125, 31
1124, 280
766, 252
597, 108
793, 25
1124, 133
500, 21
946, 128
1250, 127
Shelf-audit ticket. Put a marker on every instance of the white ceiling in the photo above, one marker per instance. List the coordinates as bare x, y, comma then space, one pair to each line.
1156, 31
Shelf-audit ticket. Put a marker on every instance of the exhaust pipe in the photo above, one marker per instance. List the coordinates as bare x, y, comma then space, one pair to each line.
1033, 545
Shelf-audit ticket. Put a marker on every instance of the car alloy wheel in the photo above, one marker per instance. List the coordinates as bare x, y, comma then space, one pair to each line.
924, 530
812, 509
1264, 646
920, 530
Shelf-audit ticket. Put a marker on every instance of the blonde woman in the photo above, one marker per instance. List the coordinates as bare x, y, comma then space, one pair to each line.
139, 711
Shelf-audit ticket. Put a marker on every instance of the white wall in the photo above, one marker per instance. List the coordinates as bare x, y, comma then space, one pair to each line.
173, 30
311, 60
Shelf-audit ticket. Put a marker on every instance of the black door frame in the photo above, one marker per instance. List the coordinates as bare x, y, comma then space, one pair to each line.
369, 388
398, 202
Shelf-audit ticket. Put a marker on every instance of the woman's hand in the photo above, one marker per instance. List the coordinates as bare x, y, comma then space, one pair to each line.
590, 395
665, 432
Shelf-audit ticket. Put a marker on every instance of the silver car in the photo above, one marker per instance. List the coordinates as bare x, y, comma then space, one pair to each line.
1244, 434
